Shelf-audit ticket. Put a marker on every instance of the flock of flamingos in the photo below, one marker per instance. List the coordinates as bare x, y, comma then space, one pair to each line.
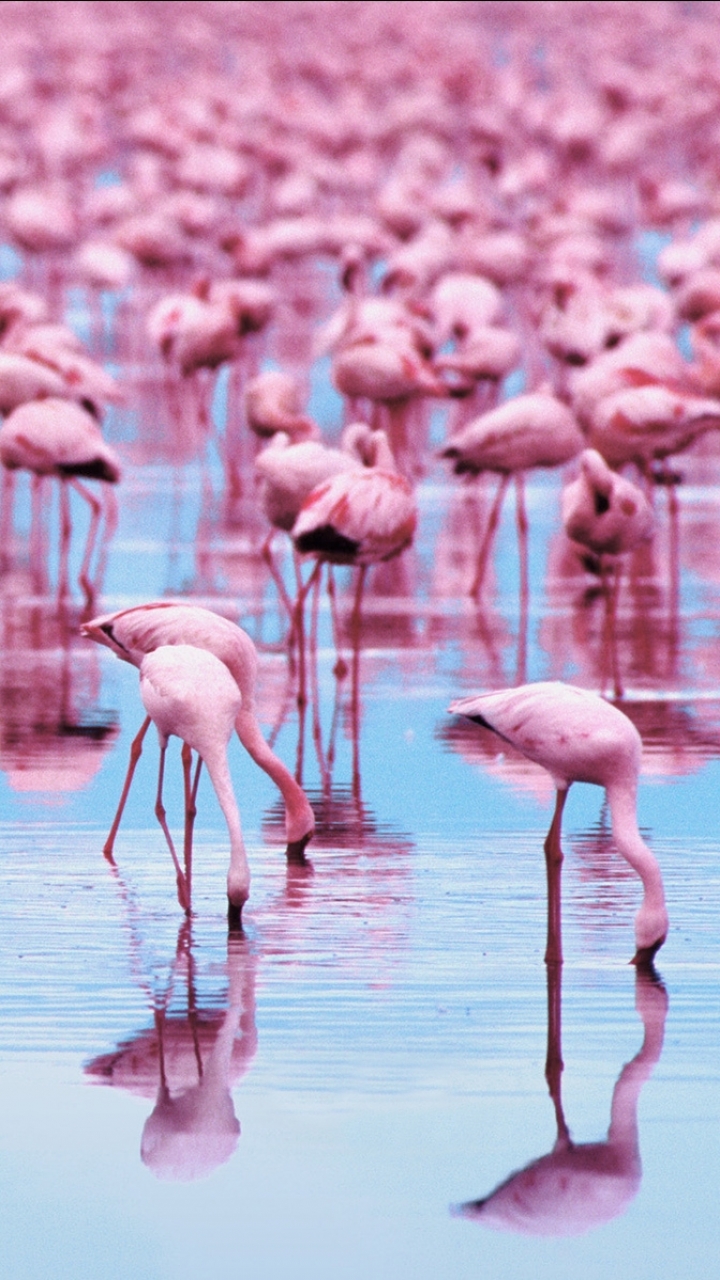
469, 184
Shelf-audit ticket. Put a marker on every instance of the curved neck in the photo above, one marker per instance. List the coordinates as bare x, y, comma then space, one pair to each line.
622, 799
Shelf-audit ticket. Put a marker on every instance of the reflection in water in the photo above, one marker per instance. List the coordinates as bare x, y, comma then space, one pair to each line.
189, 1061
53, 734
343, 820
577, 1187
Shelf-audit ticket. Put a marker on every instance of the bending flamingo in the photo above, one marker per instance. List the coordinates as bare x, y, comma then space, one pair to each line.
579, 737
133, 633
190, 693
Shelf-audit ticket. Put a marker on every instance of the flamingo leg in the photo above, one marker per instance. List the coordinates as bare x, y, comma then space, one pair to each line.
38, 559
522, 531
553, 865
183, 897
553, 1058
611, 590
111, 523
356, 628
299, 627
135, 753
315, 689
190, 791
674, 558
95, 515
492, 524
6, 516
65, 534
268, 557
340, 668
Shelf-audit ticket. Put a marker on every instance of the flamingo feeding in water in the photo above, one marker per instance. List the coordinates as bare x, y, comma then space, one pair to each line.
133, 633
579, 737
190, 693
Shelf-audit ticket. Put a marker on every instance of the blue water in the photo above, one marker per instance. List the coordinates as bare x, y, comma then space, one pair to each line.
390, 1043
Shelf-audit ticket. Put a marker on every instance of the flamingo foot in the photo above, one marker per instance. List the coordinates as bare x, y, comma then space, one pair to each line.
183, 895
108, 853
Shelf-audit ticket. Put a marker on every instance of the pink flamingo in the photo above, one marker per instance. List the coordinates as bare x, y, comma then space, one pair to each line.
133, 633
359, 518
579, 737
190, 693
58, 438
609, 515
533, 430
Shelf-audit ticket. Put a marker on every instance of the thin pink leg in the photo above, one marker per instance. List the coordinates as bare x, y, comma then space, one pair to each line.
190, 792
6, 515
553, 1058
182, 890
674, 557
299, 629
268, 557
522, 530
487, 541
38, 561
65, 533
553, 864
135, 753
356, 635
111, 522
315, 687
95, 514
611, 588
340, 668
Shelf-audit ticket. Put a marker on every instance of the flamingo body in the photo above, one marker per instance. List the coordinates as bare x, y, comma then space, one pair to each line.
290, 471
579, 737
190, 693
534, 430
133, 633
603, 510
358, 518
55, 437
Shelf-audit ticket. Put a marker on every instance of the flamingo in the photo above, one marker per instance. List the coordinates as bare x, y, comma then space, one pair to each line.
579, 737
190, 693
272, 405
359, 518
58, 438
533, 430
133, 633
609, 515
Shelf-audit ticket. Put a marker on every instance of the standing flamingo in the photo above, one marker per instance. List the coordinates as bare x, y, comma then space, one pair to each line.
609, 515
359, 518
579, 737
534, 430
55, 437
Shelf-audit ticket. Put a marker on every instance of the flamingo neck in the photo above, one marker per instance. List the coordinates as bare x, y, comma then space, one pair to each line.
651, 921
239, 873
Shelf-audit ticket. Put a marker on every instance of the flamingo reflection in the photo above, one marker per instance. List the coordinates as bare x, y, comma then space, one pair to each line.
188, 1061
577, 1187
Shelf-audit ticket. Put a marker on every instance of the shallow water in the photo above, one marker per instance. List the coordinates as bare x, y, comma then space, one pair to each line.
380, 1031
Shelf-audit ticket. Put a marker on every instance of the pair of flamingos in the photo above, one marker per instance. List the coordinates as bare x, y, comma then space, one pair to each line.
197, 681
